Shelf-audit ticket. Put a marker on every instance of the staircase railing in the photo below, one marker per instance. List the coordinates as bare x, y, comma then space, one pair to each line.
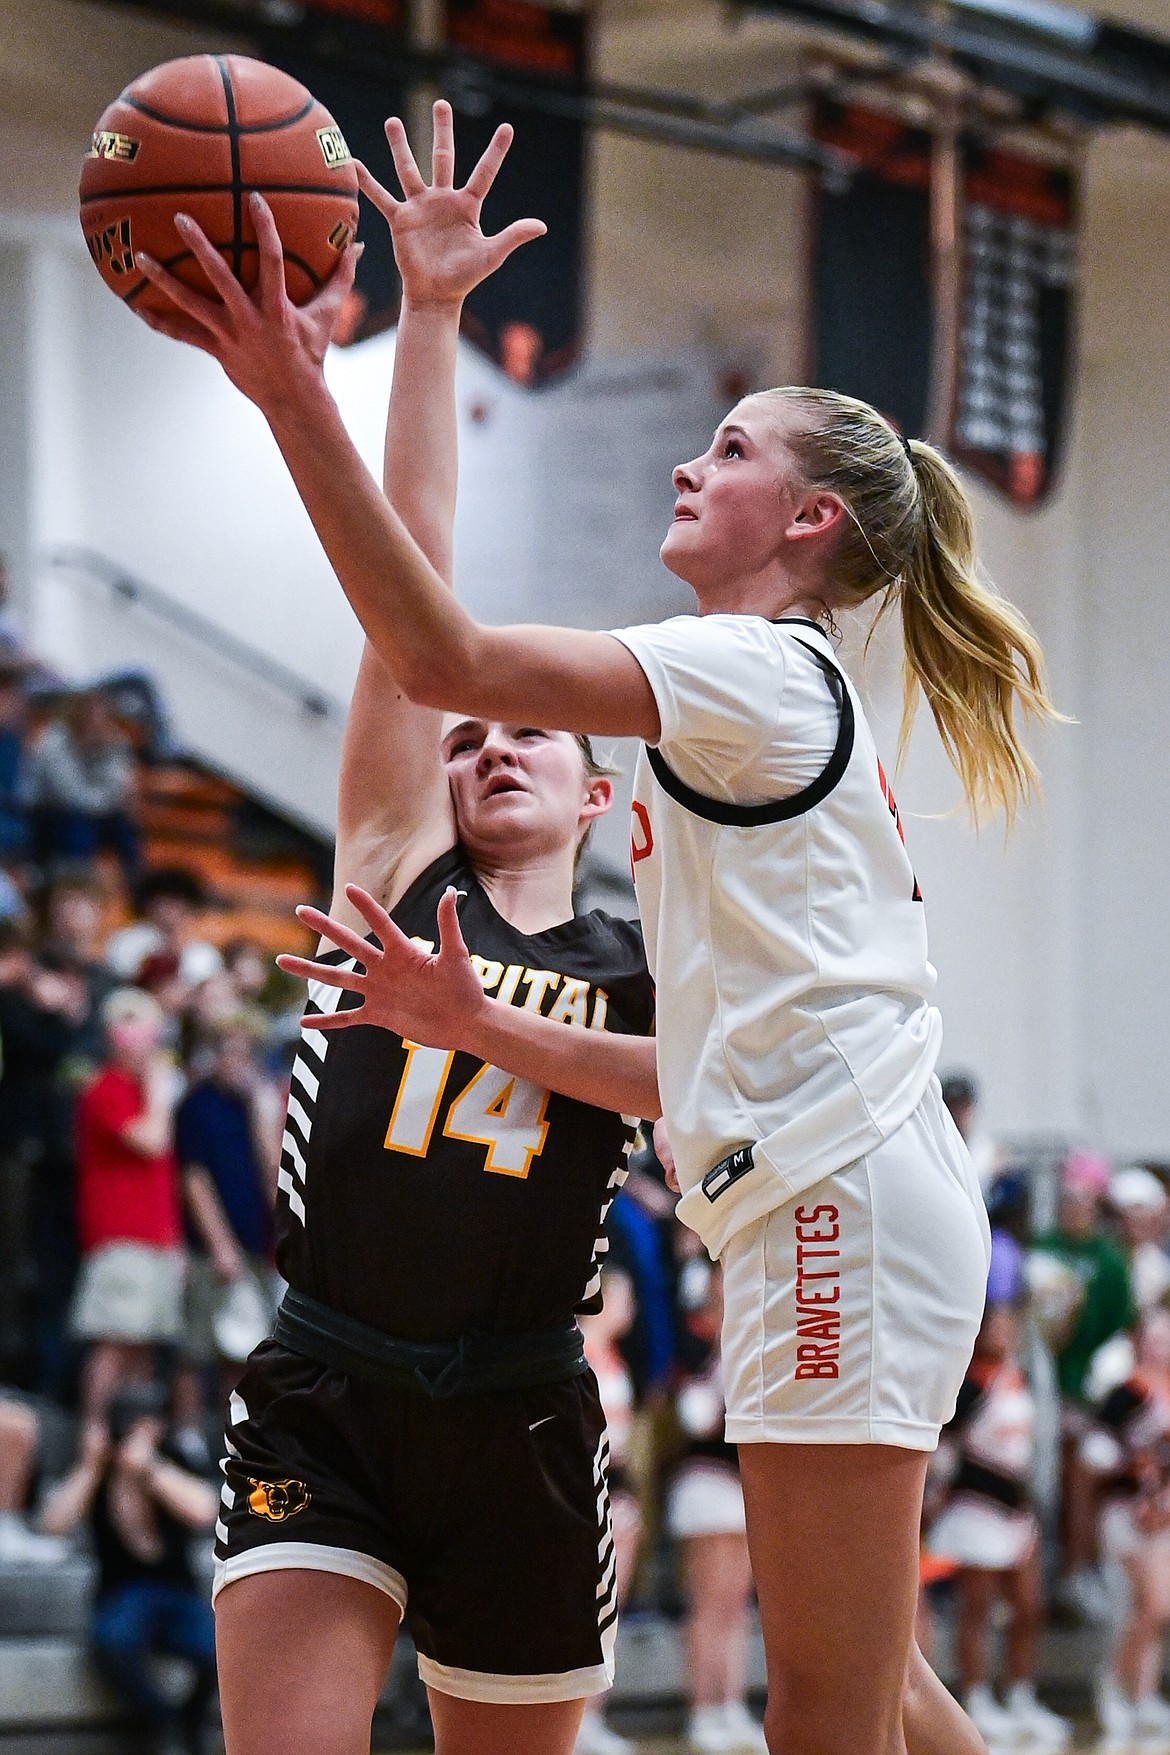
126, 588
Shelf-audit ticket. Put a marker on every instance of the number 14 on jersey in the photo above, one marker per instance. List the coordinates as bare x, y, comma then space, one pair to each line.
502, 1113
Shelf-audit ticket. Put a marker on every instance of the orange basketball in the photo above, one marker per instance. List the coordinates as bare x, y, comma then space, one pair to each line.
198, 136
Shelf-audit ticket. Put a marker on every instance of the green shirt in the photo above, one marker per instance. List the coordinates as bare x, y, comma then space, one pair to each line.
1106, 1304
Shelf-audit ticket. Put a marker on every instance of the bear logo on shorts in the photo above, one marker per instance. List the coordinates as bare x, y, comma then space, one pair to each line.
277, 1500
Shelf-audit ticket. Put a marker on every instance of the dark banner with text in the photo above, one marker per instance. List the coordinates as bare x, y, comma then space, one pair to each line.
529, 316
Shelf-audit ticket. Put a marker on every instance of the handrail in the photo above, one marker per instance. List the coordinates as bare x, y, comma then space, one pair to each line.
124, 585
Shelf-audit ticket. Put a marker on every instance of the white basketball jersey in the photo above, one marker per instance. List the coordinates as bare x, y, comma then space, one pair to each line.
783, 923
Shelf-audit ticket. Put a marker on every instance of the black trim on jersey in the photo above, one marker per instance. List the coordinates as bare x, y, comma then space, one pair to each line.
781, 810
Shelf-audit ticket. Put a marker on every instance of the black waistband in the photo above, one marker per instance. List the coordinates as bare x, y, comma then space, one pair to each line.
471, 1365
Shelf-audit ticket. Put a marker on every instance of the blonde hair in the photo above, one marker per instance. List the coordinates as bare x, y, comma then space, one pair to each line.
595, 769
910, 536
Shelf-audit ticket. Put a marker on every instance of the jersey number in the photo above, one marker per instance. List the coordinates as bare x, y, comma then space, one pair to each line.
495, 1109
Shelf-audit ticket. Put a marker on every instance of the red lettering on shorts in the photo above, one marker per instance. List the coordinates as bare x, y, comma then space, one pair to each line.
818, 1291
642, 835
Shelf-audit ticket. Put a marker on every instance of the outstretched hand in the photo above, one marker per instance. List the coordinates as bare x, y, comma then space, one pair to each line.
432, 998
439, 245
268, 346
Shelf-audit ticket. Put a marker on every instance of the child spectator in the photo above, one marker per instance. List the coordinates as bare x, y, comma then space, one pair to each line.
79, 786
1080, 1283
989, 1529
142, 1507
603, 1331
129, 1291
227, 1140
704, 1512
1132, 1442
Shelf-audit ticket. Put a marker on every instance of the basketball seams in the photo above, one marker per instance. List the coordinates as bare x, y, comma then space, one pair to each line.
247, 188
272, 127
237, 186
172, 262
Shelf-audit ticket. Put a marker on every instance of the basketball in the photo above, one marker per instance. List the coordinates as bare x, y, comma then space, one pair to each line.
198, 136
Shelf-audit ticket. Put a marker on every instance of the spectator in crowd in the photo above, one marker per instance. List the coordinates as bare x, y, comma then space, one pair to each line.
20, 1545
227, 1140
989, 1529
705, 1515
603, 1333
160, 950
129, 1290
71, 911
79, 786
1081, 1295
1139, 1200
1132, 1446
960, 1093
39, 1011
249, 970
15, 840
142, 1506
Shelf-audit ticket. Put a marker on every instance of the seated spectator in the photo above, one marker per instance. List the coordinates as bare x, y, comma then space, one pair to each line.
1139, 1200
79, 786
15, 838
989, 1530
249, 970
129, 1291
1081, 1295
960, 1093
159, 950
142, 1506
19, 1544
1132, 1447
705, 1515
603, 1331
227, 1140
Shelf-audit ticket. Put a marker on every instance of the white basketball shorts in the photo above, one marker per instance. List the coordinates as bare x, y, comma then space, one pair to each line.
850, 1312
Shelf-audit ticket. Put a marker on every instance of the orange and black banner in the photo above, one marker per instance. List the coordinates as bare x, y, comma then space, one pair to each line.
871, 310
529, 316
1019, 227
388, 13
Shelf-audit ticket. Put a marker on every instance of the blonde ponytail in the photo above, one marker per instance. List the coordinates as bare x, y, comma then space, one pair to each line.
973, 655
910, 535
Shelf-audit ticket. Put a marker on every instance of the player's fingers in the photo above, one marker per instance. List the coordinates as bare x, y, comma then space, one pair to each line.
212, 264
333, 1020
305, 969
451, 940
324, 307
374, 915
381, 197
179, 328
409, 175
194, 306
343, 937
443, 147
273, 291
494, 154
522, 231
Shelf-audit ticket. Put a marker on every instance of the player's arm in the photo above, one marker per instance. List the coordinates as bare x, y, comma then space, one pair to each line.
439, 655
394, 808
437, 1000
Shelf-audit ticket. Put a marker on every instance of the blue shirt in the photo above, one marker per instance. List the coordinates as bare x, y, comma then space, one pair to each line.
213, 1130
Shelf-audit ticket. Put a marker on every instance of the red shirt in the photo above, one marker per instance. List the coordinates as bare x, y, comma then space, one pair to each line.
122, 1197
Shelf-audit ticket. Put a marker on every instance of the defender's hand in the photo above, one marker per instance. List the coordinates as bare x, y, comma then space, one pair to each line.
433, 999
439, 245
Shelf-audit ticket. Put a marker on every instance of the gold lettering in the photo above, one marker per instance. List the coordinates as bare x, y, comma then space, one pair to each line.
489, 973
600, 1010
333, 148
510, 982
539, 981
572, 1004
